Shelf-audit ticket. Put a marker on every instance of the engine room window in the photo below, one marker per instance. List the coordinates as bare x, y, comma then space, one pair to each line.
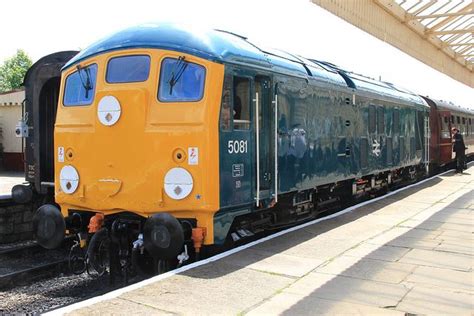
241, 108
372, 119
128, 69
396, 121
181, 81
80, 86
380, 121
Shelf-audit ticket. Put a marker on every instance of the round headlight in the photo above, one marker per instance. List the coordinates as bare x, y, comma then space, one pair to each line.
69, 179
178, 183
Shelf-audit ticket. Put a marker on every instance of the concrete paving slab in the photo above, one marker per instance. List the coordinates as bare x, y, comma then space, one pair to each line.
377, 252
438, 259
216, 288
293, 304
368, 269
348, 289
8, 180
273, 263
443, 278
409, 242
118, 306
462, 246
422, 234
455, 235
435, 225
388, 236
424, 300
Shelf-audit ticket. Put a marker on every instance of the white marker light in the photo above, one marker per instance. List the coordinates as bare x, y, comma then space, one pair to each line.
109, 110
69, 179
178, 183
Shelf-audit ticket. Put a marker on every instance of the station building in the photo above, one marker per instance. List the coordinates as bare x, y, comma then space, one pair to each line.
11, 148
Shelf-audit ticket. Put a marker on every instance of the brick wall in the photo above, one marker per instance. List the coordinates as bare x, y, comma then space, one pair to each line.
16, 222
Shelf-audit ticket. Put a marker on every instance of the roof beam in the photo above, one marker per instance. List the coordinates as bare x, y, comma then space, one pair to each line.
446, 32
439, 15
467, 9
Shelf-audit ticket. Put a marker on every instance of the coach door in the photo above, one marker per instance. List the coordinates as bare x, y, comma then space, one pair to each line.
264, 144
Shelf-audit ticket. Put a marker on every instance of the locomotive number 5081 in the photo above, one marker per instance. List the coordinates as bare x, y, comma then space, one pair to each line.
237, 147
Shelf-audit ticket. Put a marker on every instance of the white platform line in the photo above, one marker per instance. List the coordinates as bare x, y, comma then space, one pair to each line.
118, 292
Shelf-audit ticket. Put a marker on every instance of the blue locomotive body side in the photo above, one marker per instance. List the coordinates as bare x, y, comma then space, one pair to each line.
324, 132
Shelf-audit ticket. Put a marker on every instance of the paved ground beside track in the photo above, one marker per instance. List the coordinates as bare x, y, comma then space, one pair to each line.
411, 252
8, 180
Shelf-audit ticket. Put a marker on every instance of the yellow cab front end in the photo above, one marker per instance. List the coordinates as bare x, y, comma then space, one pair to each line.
136, 132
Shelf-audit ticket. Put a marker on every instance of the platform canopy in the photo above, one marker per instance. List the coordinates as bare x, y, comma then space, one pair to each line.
438, 33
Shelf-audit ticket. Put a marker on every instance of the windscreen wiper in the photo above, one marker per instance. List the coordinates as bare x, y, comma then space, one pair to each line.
87, 84
177, 72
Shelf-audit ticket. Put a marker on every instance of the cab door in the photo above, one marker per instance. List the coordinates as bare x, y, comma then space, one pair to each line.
263, 140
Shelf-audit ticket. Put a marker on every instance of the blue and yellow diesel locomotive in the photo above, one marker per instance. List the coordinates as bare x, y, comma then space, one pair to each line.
169, 139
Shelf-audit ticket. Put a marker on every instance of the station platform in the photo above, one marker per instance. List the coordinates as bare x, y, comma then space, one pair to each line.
8, 180
410, 251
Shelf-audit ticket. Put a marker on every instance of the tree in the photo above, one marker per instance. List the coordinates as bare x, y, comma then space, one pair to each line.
13, 71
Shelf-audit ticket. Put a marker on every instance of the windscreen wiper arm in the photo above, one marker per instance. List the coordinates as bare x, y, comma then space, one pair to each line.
177, 72
87, 84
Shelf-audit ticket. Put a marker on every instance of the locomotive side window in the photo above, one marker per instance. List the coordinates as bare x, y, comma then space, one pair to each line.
225, 119
241, 101
380, 120
371, 119
80, 86
181, 81
396, 121
128, 69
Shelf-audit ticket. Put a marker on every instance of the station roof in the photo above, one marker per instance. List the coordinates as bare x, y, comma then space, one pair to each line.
438, 33
449, 25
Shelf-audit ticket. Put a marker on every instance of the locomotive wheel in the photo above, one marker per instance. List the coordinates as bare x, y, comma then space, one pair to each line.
49, 226
98, 253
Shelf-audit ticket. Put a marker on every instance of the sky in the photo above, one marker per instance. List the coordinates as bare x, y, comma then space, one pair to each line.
297, 26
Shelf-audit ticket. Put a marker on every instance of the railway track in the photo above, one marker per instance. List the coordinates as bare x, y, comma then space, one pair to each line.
27, 262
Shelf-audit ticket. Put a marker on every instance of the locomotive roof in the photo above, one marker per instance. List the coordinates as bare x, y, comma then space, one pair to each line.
225, 47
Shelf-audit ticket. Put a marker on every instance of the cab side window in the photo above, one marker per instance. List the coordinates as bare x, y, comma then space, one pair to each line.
241, 104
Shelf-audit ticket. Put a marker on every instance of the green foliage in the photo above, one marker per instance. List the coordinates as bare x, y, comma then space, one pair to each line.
13, 71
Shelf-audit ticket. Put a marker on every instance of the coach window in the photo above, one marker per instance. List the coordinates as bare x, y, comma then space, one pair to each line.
80, 86
125, 69
452, 119
458, 119
181, 81
241, 104
372, 119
